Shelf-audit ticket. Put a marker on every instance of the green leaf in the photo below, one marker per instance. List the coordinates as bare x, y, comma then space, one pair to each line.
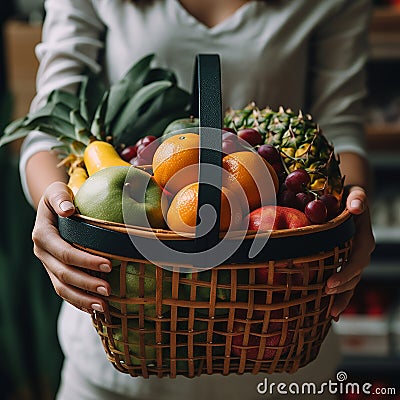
14, 126
170, 105
49, 111
73, 146
68, 99
53, 126
17, 135
124, 89
54, 110
83, 100
82, 132
61, 149
131, 110
77, 120
91, 93
98, 128
160, 74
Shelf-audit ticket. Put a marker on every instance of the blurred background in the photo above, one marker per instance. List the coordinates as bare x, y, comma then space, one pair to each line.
369, 330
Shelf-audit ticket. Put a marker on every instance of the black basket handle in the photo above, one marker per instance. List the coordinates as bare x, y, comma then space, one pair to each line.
207, 105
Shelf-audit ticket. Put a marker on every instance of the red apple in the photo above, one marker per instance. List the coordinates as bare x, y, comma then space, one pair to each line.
276, 217
296, 278
254, 340
260, 298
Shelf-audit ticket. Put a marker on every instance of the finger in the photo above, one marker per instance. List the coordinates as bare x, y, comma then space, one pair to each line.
346, 286
54, 281
58, 198
46, 237
47, 241
363, 246
340, 303
77, 297
356, 201
349, 272
76, 277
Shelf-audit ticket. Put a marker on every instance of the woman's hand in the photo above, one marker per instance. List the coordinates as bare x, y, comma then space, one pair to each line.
344, 282
63, 262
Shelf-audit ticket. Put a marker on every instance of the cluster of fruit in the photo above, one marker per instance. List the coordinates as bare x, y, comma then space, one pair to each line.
307, 181
142, 152
141, 284
302, 157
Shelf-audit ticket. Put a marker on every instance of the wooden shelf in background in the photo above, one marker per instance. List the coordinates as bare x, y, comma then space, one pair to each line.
383, 136
385, 34
21, 39
386, 19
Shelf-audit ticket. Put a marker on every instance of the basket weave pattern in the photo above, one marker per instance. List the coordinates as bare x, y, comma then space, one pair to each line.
219, 321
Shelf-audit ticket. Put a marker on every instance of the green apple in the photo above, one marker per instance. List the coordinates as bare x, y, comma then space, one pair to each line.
180, 124
122, 194
134, 278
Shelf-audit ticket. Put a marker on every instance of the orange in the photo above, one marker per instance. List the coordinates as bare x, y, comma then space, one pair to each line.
250, 171
182, 213
175, 162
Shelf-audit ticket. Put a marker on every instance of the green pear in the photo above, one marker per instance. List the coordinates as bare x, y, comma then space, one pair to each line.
134, 279
133, 340
122, 194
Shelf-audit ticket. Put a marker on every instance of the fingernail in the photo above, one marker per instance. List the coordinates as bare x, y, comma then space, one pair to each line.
97, 307
102, 290
104, 268
333, 284
356, 203
66, 205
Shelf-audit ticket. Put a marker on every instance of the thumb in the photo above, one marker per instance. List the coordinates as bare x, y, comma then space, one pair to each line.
356, 201
59, 198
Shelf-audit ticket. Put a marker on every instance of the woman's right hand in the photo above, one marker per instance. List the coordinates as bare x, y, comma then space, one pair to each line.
63, 262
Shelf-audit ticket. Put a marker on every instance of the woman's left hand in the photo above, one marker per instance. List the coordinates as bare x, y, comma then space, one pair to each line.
343, 283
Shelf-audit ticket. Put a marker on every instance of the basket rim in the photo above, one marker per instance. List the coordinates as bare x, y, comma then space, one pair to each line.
166, 234
116, 239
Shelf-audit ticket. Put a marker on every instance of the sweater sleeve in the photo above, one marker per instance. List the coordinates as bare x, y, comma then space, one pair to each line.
339, 51
71, 40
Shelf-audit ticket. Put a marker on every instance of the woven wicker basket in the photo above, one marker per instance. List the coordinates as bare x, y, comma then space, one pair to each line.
223, 320
162, 332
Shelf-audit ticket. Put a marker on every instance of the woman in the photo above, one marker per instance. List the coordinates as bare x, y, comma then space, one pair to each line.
305, 54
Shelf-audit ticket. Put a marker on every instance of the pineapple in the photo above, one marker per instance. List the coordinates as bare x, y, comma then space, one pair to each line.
299, 140
145, 100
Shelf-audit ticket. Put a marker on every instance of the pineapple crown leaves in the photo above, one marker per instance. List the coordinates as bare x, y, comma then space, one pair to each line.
125, 88
130, 113
97, 127
154, 117
147, 104
56, 117
145, 98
